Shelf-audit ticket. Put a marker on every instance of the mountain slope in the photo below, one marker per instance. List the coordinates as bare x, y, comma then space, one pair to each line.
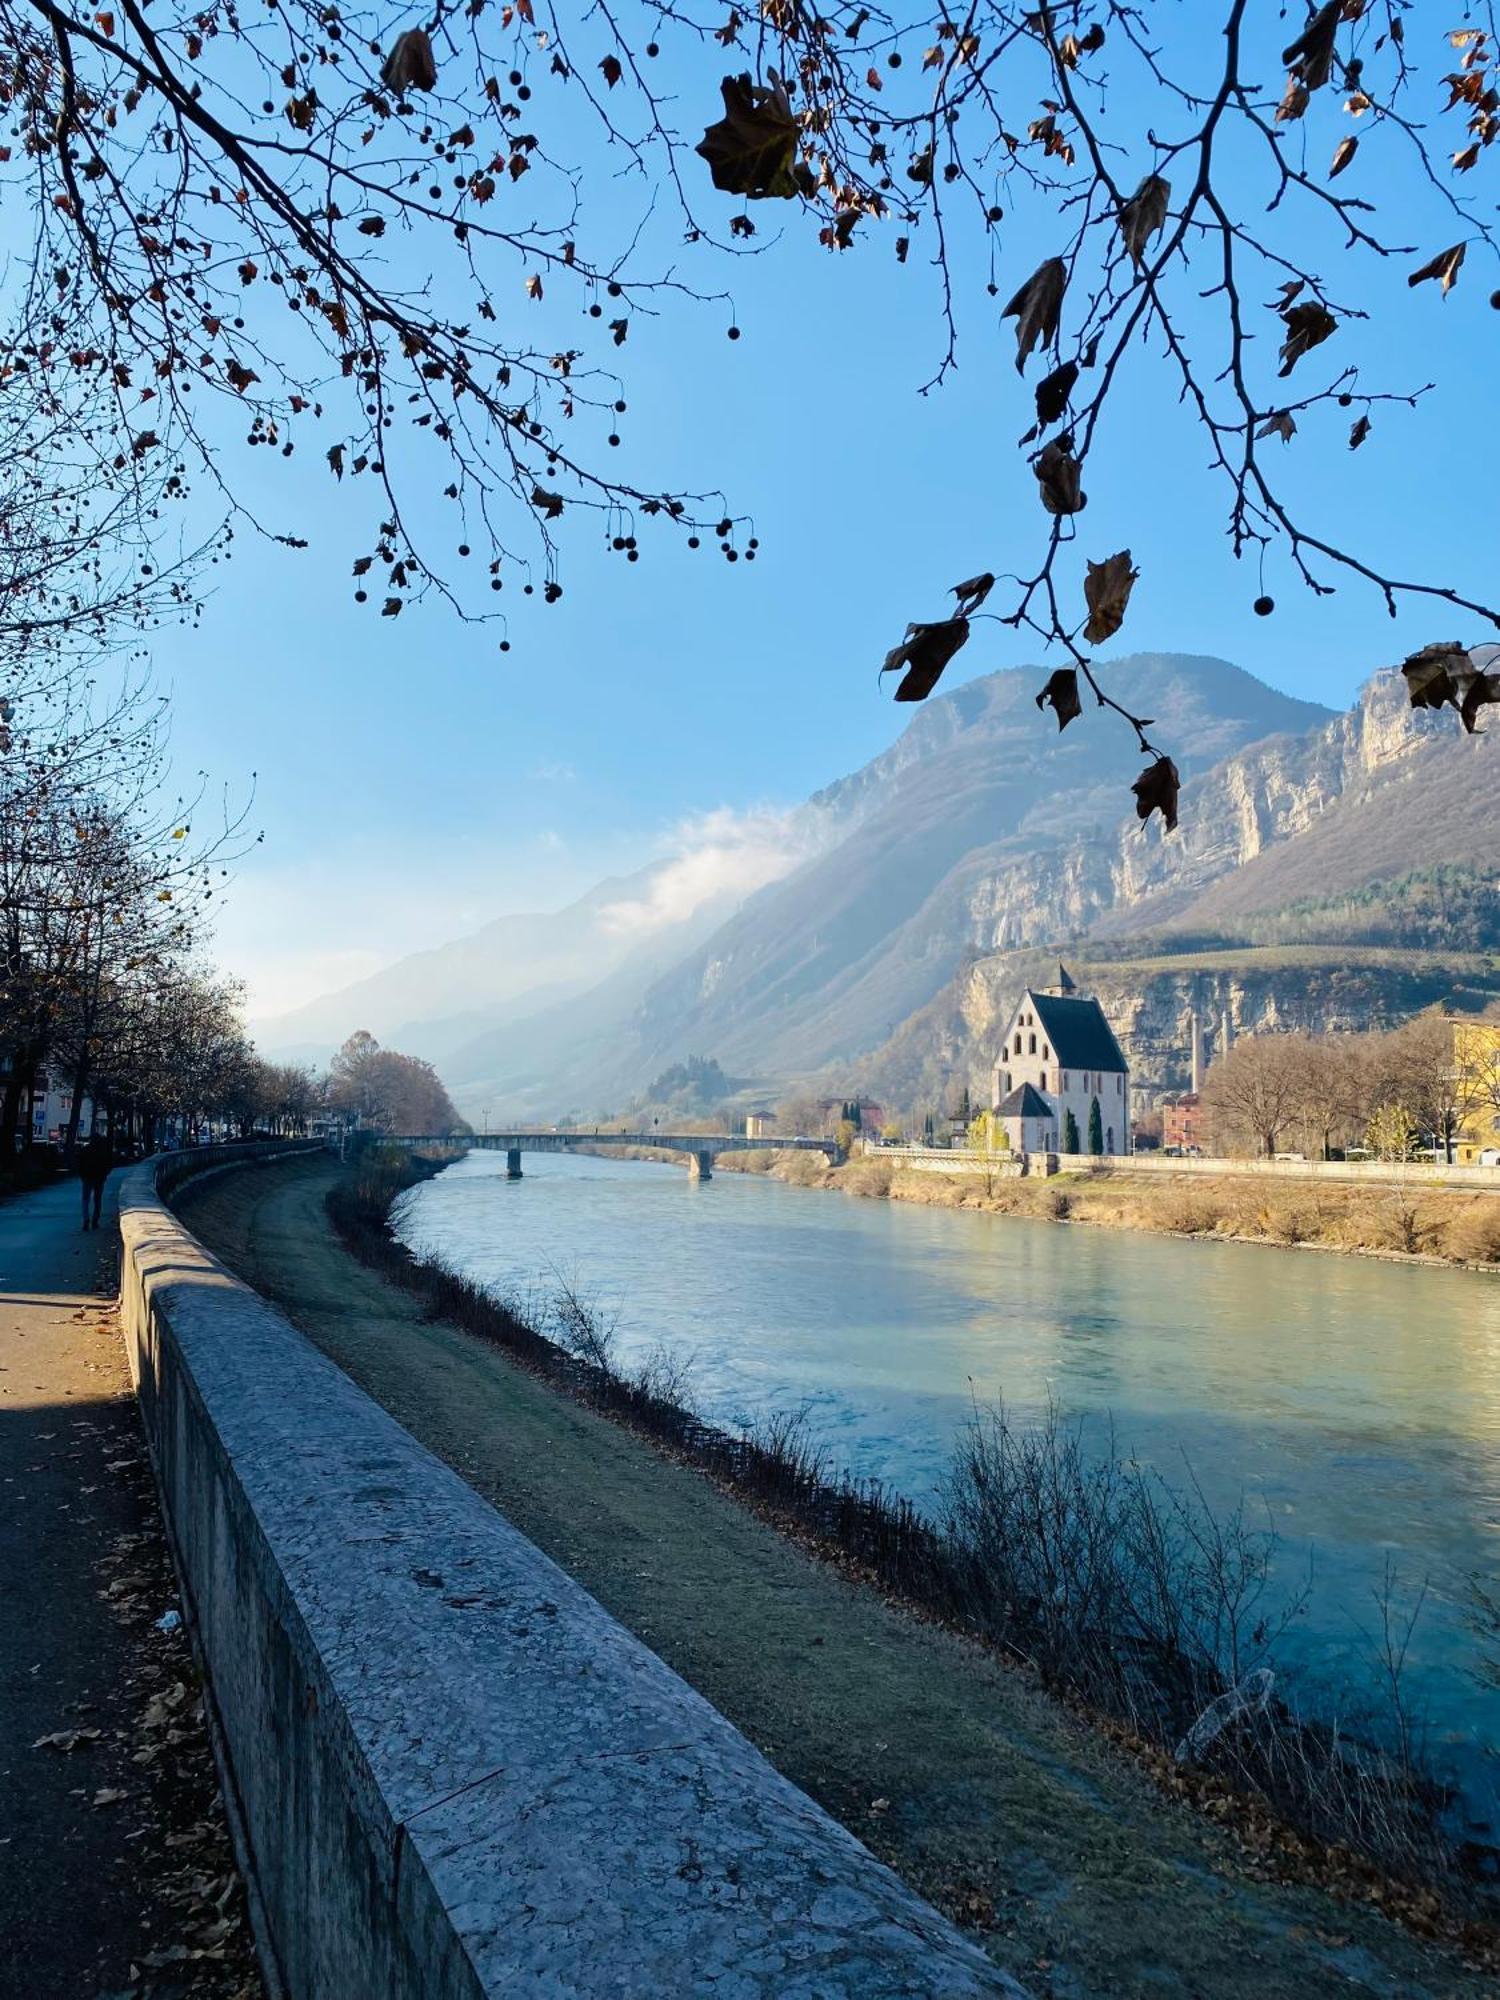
931, 881
1280, 836
824, 963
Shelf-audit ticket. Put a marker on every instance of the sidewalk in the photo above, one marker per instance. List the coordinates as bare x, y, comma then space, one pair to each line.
115, 1872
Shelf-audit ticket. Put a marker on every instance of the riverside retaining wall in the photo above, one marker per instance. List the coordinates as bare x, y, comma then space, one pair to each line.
456, 1774
1378, 1173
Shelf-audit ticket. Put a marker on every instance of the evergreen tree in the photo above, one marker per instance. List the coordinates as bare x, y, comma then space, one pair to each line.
1070, 1134
1096, 1129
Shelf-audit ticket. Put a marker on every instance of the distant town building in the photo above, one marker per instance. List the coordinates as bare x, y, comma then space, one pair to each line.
760, 1124
1061, 1080
1184, 1125
52, 1110
1476, 1092
867, 1113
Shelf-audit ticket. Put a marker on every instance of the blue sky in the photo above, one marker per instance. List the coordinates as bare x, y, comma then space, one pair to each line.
412, 781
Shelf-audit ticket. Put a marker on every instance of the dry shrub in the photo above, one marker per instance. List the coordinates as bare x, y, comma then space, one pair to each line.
1189, 1213
868, 1175
1405, 1222
1289, 1221
802, 1169
1059, 1204
1473, 1236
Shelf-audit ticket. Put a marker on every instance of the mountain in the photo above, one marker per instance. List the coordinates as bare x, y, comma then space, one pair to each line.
601, 951
1327, 868
979, 790
1343, 878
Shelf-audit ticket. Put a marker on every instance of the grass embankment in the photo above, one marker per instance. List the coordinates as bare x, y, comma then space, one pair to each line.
1445, 1225
1080, 1873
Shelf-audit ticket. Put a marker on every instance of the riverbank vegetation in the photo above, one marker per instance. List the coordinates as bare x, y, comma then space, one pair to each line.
1402, 1218
1124, 1595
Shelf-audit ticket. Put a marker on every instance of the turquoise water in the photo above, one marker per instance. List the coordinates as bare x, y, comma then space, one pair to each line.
1356, 1404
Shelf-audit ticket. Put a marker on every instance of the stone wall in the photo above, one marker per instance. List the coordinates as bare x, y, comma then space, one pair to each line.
456, 1774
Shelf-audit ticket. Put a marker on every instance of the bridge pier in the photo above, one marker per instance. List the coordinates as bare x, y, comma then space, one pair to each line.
512, 1163
700, 1166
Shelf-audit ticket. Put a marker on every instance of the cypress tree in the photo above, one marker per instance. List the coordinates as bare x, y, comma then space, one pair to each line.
1096, 1129
1070, 1134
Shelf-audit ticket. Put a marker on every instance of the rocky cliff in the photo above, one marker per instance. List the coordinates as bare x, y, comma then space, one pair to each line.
1285, 900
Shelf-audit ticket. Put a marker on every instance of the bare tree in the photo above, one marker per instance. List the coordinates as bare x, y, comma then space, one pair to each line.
342, 224
1416, 1070
1331, 1083
1252, 1093
105, 885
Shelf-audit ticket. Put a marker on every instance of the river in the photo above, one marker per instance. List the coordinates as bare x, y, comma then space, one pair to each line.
1355, 1403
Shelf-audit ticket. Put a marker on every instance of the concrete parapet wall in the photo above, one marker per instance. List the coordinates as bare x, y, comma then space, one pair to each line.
1382, 1173
456, 1774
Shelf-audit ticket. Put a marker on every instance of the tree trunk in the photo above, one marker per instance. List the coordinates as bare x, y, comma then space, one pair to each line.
80, 1086
10, 1118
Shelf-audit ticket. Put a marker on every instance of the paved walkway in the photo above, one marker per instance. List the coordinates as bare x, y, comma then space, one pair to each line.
97, 1829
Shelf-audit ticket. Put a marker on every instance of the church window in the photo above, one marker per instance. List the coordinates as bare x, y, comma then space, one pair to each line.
1031, 1045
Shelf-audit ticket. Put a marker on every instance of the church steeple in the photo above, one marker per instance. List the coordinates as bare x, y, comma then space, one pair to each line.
1065, 983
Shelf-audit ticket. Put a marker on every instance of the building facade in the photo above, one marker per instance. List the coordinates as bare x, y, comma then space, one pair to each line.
1476, 1092
1061, 1076
1183, 1124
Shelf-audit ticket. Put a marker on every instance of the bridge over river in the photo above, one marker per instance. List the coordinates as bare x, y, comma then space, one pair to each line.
702, 1148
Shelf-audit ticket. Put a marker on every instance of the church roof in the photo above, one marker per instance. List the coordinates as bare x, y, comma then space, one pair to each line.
1081, 1038
1025, 1101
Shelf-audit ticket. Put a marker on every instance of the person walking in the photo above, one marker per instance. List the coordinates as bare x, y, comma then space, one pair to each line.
94, 1163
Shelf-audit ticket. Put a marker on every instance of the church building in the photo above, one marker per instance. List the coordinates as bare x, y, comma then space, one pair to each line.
1061, 1074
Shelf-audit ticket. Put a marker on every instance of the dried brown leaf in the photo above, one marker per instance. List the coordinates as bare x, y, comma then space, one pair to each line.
410, 64
1446, 674
1061, 695
1106, 589
1037, 308
752, 150
1446, 266
1058, 474
972, 593
1144, 215
1311, 55
1280, 423
1307, 325
1156, 791
1343, 153
1053, 391
924, 653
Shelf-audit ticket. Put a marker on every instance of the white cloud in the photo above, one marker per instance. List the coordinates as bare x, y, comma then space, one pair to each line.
721, 856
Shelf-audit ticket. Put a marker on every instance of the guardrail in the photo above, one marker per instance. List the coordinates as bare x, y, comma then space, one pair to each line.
455, 1773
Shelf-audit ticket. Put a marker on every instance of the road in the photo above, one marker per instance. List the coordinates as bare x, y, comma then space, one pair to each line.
115, 1871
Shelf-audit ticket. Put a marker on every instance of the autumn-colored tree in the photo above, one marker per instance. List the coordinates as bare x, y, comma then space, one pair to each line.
105, 885
365, 233
393, 1092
